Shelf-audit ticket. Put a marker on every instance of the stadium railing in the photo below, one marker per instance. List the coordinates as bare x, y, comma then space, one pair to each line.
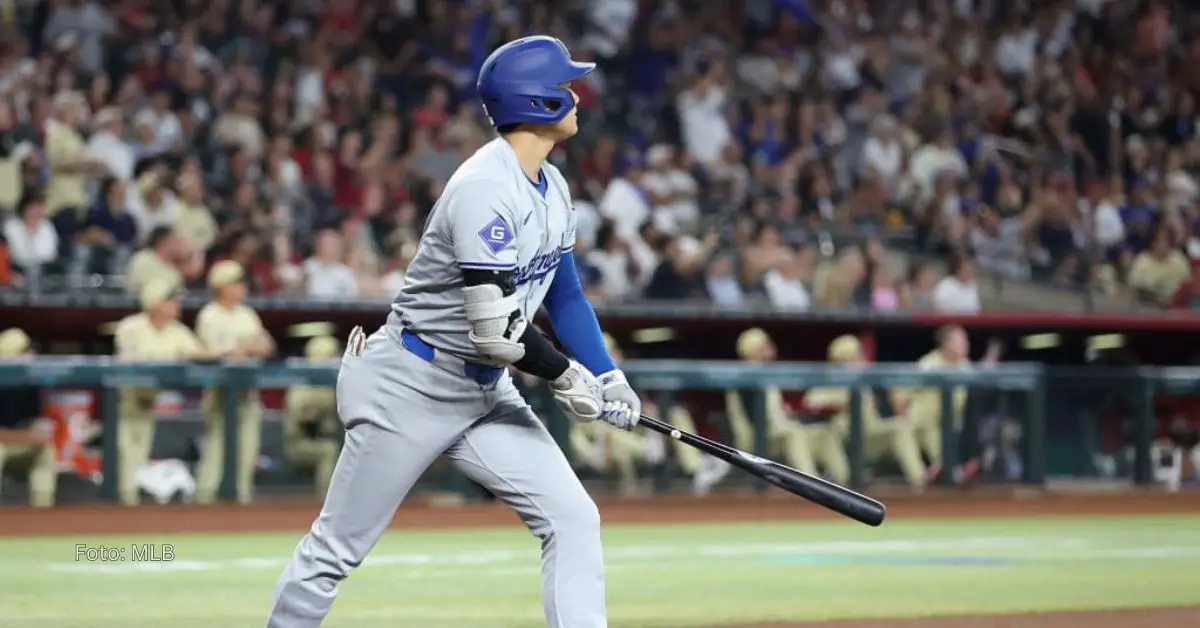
666, 378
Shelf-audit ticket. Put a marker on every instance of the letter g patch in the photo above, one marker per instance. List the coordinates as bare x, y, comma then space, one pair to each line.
496, 235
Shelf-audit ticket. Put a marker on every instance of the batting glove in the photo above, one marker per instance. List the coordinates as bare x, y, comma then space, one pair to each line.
622, 406
577, 393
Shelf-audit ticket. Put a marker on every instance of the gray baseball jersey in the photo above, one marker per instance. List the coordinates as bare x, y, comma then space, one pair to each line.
404, 404
488, 217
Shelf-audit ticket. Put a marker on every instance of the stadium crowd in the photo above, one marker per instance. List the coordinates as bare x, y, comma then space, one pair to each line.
724, 145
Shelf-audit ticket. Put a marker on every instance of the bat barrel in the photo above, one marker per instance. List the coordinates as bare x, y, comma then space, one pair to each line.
817, 490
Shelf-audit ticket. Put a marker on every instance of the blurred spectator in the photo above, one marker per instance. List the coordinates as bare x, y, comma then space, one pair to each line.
71, 167
701, 107
611, 259
393, 280
155, 205
1056, 246
80, 23
957, 292
1159, 271
108, 145
885, 296
766, 252
14, 153
167, 131
680, 267
722, 284
998, 244
917, 292
626, 202
1187, 297
235, 127
327, 274
157, 261
937, 161
882, 156
842, 284
796, 123
1100, 209
192, 219
109, 234
784, 287
31, 238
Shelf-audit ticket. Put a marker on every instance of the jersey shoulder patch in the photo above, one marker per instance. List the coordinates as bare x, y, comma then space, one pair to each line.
496, 234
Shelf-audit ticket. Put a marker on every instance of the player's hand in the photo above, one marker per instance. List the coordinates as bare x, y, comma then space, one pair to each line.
577, 393
622, 406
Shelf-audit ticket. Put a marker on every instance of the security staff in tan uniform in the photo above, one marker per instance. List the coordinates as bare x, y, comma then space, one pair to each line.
26, 435
311, 427
896, 436
923, 406
802, 447
154, 335
229, 327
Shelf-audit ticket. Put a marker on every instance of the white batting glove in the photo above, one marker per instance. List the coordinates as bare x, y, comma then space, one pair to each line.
577, 393
622, 406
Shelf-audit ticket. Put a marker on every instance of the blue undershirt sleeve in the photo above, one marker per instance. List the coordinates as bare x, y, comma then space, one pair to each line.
573, 319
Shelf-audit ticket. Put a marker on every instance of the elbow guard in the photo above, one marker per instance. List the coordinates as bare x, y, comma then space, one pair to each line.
490, 301
495, 316
496, 324
500, 332
489, 310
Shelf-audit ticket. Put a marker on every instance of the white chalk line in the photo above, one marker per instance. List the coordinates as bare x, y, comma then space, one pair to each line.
653, 556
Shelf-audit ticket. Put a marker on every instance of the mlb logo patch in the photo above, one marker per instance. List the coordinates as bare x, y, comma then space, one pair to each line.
496, 235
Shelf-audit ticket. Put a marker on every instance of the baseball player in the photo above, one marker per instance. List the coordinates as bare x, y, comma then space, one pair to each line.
434, 379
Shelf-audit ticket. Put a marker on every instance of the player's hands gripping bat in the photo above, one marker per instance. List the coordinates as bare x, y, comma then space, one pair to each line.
622, 406
577, 393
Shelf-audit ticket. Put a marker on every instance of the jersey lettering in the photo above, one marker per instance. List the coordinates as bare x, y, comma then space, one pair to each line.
540, 267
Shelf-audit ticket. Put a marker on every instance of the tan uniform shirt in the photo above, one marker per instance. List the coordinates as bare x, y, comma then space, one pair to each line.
138, 340
1160, 277
11, 185
145, 266
222, 330
926, 403
64, 145
777, 416
195, 224
838, 397
312, 412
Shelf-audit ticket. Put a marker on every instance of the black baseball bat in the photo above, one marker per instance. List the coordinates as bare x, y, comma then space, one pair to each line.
832, 496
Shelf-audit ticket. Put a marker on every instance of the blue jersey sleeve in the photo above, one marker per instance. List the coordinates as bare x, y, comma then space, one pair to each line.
573, 319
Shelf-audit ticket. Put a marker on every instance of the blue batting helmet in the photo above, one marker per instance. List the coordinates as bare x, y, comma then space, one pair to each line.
522, 82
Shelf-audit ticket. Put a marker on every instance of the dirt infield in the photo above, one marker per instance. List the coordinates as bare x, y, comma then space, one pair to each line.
290, 515
293, 516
